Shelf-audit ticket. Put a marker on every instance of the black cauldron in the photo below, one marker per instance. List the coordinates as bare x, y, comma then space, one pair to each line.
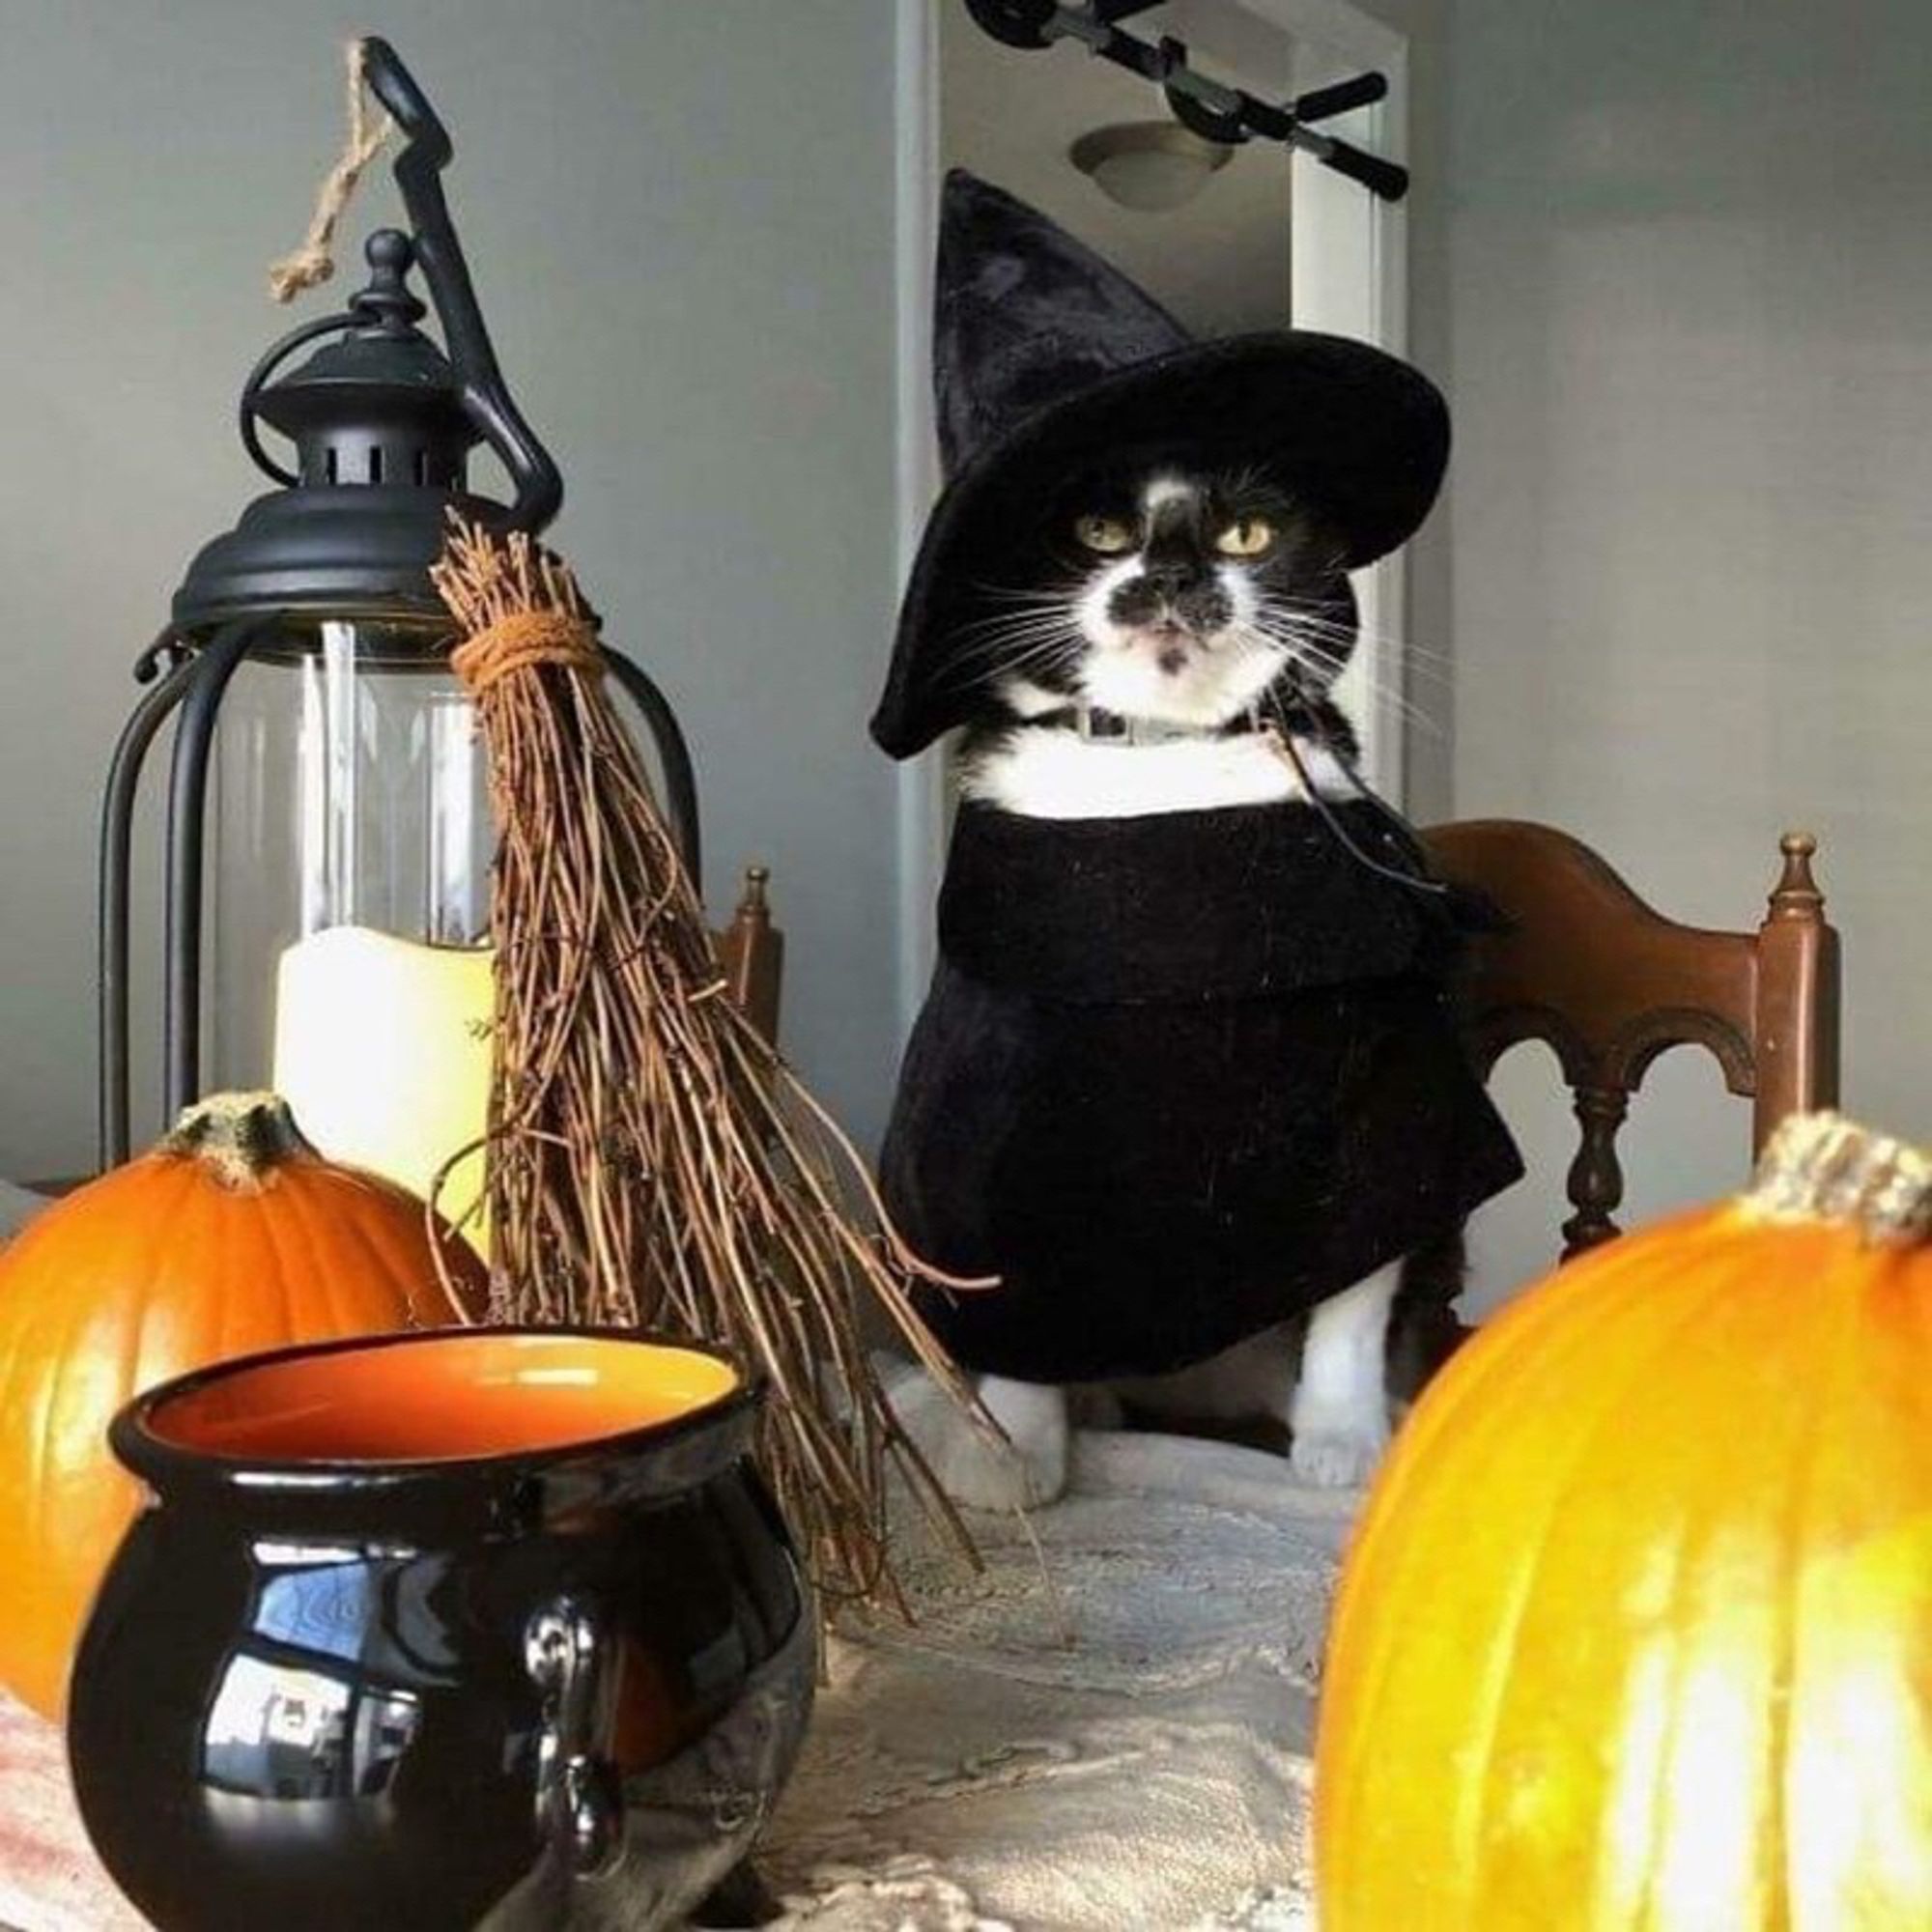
493, 1629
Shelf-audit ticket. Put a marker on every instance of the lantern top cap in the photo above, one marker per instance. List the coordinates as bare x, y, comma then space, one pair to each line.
381, 364
388, 301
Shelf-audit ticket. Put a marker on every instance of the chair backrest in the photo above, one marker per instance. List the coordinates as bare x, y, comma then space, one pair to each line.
752, 951
1610, 983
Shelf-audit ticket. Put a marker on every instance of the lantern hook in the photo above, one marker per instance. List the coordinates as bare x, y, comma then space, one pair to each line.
431, 243
425, 153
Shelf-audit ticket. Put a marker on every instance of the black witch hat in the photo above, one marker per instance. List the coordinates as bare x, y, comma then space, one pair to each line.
1046, 358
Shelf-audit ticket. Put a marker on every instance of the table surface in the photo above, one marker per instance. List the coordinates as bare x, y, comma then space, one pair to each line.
1111, 1729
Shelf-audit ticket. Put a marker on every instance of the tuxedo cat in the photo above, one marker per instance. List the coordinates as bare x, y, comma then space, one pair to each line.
1168, 646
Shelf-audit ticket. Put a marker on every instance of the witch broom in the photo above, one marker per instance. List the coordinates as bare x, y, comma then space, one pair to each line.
652, 1161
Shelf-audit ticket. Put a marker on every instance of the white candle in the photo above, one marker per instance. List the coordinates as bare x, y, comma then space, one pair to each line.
382, 1053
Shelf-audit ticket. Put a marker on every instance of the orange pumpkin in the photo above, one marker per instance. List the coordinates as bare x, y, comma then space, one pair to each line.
1636, 1627
234, 1235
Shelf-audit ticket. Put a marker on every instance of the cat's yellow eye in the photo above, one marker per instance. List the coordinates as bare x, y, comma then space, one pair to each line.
1245, 536
1108, 535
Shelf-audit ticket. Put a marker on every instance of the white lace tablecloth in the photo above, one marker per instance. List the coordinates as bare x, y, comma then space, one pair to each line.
1133, 1758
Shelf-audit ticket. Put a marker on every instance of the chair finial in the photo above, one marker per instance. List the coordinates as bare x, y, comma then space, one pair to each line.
753, 901
1796, 895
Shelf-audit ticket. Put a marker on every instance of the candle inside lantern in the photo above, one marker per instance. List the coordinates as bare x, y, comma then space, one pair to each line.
382, 1053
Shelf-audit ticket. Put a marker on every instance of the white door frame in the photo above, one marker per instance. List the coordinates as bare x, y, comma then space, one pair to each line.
1358, 289
922, 780
1350, 276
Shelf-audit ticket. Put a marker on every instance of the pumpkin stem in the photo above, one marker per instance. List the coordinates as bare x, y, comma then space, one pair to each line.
239, 1138
1822, 1167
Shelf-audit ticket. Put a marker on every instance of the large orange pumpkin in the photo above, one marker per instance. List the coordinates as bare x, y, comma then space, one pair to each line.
1636, 1628
233, 1235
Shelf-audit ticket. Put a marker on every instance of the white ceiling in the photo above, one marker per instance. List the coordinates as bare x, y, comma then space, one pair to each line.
1220, 263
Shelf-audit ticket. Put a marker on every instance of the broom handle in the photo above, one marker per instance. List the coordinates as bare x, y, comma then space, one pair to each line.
425, 153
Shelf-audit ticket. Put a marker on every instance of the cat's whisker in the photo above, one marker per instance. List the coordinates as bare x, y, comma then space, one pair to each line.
1034, 659
1317, 607
1009, 643
1317, 616
1055, 613
1060, 589
1018, 620
986, 667
1419, 664
1331, 666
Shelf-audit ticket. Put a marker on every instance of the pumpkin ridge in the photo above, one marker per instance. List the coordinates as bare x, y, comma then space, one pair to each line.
1858, 1895
240, 1218
364, 1243
1847, 1313
334, 1242
42, 1431
270, 1213
1736, 1285
176, 1207
1514, 1353
414, 1259
1473, 1798
73, 1312
133, 1332
348, 1235
1667, 1744
209, 1204
417, 1267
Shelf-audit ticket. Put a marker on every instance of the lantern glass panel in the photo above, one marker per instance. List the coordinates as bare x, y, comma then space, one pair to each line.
349, 792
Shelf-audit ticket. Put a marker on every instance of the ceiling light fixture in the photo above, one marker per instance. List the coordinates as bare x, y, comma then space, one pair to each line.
1151, 166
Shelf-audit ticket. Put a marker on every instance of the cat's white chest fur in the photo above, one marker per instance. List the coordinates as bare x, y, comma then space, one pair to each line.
1045, 772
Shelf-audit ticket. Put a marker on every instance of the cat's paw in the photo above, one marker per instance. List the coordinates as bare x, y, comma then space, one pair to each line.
973, 1467
1336, 1458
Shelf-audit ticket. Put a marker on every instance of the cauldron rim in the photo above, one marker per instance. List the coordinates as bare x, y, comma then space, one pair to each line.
662, 1455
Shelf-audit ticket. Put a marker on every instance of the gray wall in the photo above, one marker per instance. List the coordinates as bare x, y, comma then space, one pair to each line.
1667, 258
1683, 298
681, 221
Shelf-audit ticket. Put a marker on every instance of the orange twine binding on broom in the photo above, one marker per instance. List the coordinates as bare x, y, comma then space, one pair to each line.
523, 638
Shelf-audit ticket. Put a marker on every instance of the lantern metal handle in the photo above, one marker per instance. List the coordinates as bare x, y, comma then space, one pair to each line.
426, 151
272, 358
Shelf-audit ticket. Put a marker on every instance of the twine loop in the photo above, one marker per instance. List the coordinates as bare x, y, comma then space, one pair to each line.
313, 263
520, 639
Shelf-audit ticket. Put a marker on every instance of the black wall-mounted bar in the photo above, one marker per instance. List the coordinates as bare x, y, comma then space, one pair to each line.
1212, 110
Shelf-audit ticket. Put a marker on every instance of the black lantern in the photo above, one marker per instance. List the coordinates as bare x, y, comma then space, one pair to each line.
324, 768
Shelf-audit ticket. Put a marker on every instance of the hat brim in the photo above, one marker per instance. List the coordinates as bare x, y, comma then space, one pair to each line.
1362, 438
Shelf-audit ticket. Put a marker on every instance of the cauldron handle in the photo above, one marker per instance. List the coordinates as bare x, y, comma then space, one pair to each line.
579, 1802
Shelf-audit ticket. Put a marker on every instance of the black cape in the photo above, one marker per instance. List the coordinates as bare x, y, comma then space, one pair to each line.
1178, 1078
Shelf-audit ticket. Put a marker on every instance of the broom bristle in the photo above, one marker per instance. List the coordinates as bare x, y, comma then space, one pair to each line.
652, 1161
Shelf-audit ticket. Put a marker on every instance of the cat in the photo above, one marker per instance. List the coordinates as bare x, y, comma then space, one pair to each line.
1170, 646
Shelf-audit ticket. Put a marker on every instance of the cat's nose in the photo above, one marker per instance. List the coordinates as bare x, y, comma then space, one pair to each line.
1163, 589
1173, 580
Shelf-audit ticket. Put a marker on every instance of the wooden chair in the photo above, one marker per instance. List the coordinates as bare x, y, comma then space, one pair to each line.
1610, 983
